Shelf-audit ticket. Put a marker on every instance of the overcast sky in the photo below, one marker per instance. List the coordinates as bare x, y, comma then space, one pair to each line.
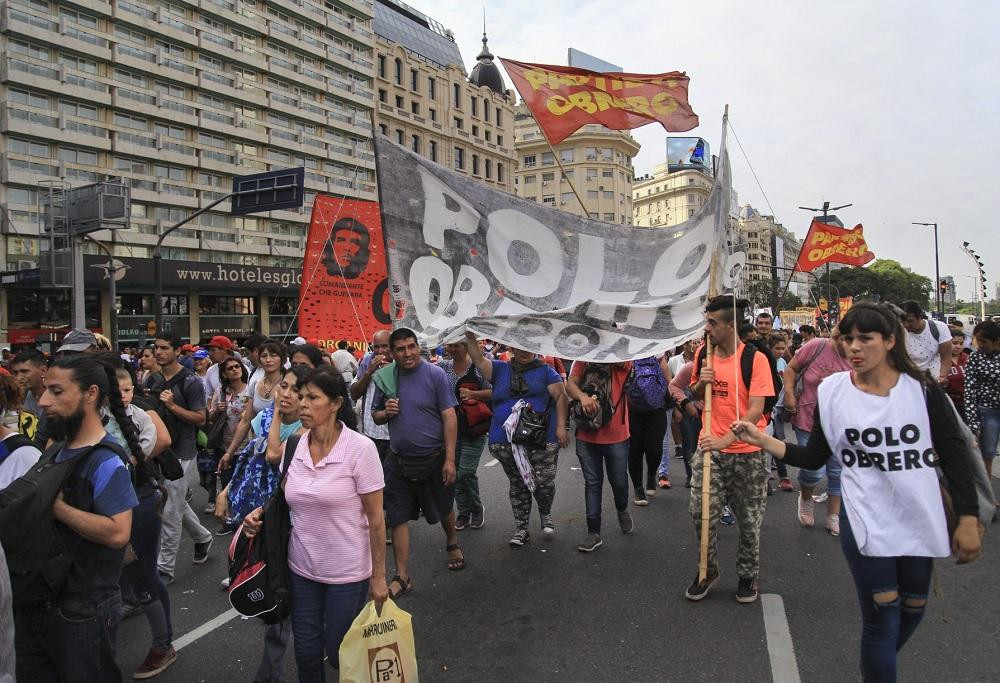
891, 106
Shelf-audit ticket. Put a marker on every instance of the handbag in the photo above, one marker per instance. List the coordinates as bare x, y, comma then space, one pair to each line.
985, 497
216, 432
474, 416
170, 465
598, 388
260, 582
532, 428
419, 468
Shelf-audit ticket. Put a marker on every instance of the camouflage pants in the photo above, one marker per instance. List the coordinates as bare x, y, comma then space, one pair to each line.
543, 462
737, 479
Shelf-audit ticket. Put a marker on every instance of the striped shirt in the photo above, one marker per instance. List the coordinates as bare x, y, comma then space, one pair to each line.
329, 541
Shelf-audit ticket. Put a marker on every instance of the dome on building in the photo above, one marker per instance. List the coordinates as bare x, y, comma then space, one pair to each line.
485, 72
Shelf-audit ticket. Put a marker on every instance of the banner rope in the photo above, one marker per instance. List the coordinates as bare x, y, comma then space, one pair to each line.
305, 287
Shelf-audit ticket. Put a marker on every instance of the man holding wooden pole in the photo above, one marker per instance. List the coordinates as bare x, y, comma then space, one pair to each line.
737, 472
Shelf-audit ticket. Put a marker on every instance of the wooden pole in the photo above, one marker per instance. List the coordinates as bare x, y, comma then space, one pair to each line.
706, 416
555, 155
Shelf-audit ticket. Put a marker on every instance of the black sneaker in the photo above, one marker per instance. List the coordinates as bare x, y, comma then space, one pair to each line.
520, 537
625, 521
477, 520
640, 497
167, 579
224, 530
699, 589
746, 591
590, 544
201, 551
131, 609
461, 521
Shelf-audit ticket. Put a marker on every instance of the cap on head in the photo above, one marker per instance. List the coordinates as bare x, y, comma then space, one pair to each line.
298, 341
77, 340
222, 342
200, 354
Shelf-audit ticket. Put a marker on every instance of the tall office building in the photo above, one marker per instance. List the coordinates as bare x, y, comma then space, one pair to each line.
428, 103
177, 97
598, 163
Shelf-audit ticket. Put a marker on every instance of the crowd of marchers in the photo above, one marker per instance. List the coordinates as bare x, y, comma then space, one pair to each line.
362, 442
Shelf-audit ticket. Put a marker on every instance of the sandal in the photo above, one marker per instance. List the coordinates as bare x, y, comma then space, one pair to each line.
455, 564
404, 586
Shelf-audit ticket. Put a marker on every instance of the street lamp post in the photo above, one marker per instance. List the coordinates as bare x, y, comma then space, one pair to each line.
826, 209
937, 272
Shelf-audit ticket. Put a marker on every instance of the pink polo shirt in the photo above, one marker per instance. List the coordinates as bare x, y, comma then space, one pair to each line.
329, 541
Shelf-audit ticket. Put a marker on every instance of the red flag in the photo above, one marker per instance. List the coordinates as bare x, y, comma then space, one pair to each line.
564, 98
827, 243
345, 289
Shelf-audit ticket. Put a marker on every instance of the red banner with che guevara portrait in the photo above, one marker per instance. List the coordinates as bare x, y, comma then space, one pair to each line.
345, 288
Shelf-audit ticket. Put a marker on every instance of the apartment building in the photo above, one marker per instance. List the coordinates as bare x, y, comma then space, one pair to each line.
597, 162
667, 197
428, 103
176, 97
772, 252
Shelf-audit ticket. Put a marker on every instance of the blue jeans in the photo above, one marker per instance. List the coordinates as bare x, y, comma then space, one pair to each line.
664, 468
989, 431
321, 615
689, 426
593, 457
831, 469
142, 576
885, 626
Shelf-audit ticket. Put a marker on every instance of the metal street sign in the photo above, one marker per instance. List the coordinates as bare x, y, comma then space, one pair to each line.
268, 191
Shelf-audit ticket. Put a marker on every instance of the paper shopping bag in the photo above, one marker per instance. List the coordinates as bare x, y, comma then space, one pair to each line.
379, 649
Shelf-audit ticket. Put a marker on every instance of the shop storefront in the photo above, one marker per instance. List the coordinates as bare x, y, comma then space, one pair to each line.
200, 300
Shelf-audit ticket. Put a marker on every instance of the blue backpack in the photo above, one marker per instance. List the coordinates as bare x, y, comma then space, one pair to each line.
253, 480
647, 388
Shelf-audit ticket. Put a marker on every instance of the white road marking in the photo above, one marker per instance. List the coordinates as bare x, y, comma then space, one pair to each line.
780, 650
491, 463
204, 629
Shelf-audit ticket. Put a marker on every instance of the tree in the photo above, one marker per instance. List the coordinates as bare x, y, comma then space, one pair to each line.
789, 302
883, 280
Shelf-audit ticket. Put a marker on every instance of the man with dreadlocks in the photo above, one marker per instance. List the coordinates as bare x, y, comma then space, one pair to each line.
73, 638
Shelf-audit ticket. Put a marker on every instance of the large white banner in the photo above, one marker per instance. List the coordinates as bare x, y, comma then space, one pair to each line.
463, 256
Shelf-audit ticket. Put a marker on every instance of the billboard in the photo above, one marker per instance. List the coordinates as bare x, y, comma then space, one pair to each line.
582, 60
344, 292
688, 153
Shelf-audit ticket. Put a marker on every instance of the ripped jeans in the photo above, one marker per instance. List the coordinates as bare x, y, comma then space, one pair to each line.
887, 624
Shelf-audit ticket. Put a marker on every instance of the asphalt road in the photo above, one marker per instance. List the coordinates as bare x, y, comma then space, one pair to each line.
549, 612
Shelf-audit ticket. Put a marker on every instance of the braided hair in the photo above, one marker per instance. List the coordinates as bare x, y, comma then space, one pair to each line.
100, 370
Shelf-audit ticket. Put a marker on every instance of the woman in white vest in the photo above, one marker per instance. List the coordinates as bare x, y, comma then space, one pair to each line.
888, 424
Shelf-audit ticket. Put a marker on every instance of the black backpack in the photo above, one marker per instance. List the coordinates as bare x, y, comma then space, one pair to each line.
40, 551
746, 370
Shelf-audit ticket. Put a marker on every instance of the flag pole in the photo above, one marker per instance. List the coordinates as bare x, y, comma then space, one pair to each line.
562, 170
706, 458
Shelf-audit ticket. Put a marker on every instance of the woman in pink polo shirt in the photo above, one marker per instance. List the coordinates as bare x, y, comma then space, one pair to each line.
337, 548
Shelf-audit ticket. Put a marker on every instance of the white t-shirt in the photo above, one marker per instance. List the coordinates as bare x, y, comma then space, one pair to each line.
675, 363
345, 364
889, 483
17, 462
924, 348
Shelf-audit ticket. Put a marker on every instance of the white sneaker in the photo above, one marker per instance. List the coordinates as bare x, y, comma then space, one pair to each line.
548, 526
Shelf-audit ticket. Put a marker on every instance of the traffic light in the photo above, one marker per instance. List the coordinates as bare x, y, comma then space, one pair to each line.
943, 286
